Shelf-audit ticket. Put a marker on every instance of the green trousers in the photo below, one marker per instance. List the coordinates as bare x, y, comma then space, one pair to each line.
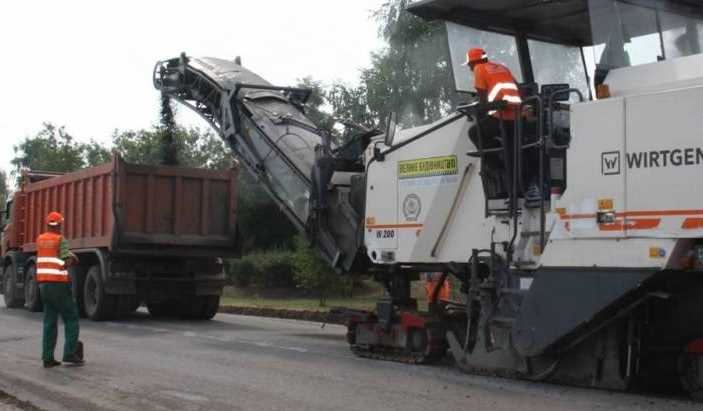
58, 301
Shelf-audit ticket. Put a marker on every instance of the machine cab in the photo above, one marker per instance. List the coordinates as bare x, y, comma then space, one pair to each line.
561, 53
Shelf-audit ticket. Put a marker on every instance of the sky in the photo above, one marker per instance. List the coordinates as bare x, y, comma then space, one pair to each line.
87, 65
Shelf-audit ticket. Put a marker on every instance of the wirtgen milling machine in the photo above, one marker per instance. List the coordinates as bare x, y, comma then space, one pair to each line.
597, 283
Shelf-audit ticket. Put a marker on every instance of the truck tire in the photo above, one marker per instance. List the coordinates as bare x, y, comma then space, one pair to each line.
209, 306
77, 284
135, 305
32, 297
13, 298
202, 307
691, 367
98, 305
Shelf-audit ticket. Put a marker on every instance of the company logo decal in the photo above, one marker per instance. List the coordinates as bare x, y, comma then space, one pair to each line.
611, 163
680, 157
412, 207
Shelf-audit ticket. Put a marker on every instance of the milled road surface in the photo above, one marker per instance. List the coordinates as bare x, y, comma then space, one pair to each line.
247, 363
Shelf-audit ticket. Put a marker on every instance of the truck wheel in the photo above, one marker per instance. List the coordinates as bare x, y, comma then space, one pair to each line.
98, 305
32, 298
136, 303
210, 306
77, 285
692, 375
13, 298
191, 308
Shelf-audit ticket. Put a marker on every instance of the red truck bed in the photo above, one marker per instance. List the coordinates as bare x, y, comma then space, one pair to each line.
134, 209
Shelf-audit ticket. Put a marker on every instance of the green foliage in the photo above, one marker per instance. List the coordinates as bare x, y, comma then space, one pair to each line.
268, 269
312, 273
351, 103
193, 147
263, 226
54, 149
412, 76
95, 154
314, 108
3, 190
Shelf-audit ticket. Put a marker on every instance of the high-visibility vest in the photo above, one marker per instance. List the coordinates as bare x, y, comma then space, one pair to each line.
50, 268
499, 84
431, 283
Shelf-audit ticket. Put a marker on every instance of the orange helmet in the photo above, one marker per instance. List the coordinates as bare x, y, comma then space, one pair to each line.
475, 55
54, 219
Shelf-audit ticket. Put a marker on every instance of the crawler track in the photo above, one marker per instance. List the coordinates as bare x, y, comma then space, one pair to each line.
435, 350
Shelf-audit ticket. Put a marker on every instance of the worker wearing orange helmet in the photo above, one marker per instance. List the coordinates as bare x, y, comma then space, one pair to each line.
53, 258
494, 82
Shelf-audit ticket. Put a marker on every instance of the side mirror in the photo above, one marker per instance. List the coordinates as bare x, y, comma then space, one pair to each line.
391, 126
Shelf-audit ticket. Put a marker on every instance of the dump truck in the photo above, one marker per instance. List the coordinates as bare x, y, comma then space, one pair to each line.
153, 235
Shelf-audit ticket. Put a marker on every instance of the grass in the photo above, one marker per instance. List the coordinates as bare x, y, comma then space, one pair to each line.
286, 299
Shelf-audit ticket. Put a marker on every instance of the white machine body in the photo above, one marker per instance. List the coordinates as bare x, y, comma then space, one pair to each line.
634, 164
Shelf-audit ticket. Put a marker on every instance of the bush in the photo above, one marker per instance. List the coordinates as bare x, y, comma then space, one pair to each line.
240, 272
312, 273
269, 269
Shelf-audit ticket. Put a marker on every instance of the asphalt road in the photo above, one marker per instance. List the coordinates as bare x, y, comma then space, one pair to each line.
247, 363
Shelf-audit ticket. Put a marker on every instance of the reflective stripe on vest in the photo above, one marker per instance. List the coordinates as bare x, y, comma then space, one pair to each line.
502, 86
50, 268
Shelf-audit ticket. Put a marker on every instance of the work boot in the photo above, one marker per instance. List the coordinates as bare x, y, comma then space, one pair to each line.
51, 364
74, 360
79, 350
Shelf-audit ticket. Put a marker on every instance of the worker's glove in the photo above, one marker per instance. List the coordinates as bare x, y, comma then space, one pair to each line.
71, 260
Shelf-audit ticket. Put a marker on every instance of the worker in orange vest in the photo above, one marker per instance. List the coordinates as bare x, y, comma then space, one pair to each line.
431, 282
53, 258
495, 82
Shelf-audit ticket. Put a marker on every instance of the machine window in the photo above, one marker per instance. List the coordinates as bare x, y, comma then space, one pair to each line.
627, 34
570, 69
682, 35
499, 47
624, 34
284, 182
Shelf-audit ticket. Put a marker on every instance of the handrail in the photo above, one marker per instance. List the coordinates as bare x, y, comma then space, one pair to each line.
472, 111
550, 115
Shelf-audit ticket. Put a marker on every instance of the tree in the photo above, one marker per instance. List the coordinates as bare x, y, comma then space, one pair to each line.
413, 75
312, 273
263, 226
3, 189
192, 147
315, 106
95, 154
351, 103
54, 149
51, 149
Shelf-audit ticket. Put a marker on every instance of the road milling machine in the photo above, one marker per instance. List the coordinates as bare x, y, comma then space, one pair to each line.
598, 282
